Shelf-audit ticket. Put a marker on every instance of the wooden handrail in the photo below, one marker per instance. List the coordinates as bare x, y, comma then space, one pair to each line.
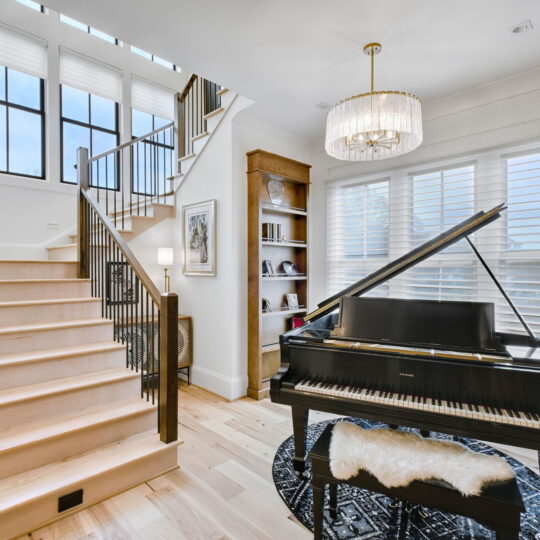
183, 95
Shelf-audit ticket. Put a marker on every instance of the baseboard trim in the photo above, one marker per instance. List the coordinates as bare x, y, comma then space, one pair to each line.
230, 388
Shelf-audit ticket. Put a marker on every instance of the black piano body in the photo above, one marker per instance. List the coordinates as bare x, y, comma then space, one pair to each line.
435, 366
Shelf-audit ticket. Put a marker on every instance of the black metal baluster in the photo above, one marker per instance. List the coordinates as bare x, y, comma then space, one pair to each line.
138, 179
148, 343
135, 322
145, 167
104, 289
141, 302
133, 300
159, 364
132, 173
116, 172
119, 297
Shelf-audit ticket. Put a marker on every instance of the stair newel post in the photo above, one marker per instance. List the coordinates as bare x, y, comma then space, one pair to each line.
82, 232
168, 368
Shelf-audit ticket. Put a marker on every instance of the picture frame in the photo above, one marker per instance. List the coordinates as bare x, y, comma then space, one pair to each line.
292, 301
120, 290
199, 239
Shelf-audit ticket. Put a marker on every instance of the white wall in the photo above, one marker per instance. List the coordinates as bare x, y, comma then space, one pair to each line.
218, 304
38, 213
498, 114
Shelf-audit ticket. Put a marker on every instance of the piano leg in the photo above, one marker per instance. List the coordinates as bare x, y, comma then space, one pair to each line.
300, 421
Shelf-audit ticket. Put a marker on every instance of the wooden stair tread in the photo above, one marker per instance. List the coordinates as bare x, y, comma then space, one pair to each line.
43, 327
60, 352
215, 112
34, 261
35, 432
62, 246
36, 483
185, 158
200, 136
21, 303
59, 386
222, 91
45, 280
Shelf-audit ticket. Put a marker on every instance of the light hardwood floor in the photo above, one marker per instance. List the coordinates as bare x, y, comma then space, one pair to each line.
223, 488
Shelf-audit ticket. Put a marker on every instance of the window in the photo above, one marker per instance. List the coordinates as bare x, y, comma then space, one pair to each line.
523, 196
88, 29
358, 232
154, 58
152, 157
89, 121
441, 199
32, 5
419, 206
22, 124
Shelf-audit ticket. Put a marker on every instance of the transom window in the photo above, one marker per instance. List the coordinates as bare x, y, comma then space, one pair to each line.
88, 29
22, 124
91, 122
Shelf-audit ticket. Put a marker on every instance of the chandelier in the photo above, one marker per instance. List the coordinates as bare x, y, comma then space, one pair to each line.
375, 125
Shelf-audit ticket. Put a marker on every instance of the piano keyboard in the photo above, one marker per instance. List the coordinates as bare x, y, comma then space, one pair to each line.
432, 405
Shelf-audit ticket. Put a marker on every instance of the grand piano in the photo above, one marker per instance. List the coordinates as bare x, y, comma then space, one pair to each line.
432, 365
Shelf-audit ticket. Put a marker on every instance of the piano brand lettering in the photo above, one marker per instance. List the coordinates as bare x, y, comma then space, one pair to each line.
401, 374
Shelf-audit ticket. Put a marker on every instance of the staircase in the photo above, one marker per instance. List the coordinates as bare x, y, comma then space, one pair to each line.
73, 427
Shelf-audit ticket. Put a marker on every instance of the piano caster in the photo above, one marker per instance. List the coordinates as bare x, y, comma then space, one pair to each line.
425, 433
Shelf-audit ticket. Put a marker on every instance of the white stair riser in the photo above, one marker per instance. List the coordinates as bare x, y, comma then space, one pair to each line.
199, 144
57, 405
74, 442
30, 516
68, 253
37, 313
24, 373
41, 291
226, 99
37, 270
17, 342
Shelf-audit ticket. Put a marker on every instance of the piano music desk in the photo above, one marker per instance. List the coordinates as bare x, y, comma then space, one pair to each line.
498, 507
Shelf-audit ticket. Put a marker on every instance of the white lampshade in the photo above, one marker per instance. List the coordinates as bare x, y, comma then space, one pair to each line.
165, 256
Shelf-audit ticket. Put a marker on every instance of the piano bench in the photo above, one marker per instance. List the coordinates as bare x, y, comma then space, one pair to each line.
498, 507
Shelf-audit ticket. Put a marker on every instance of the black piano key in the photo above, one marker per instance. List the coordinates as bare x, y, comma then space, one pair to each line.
528, 415
535, 416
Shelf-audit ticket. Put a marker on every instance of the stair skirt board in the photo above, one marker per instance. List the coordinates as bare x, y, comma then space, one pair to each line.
47, 406
41, 366
37, 513
59, 441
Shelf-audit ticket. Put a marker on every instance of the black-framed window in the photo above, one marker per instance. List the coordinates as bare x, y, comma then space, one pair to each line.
153, 157
22, 124
154, 58
36, 6
92, 122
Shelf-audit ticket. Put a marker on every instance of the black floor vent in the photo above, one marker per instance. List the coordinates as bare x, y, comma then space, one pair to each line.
65, 502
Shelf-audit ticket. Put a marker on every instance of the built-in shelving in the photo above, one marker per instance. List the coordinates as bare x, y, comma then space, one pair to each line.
285, 239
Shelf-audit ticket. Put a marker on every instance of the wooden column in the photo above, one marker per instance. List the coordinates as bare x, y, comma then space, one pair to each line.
168, 368
82, 233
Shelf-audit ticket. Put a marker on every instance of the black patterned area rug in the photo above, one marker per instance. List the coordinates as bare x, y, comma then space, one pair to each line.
366, 515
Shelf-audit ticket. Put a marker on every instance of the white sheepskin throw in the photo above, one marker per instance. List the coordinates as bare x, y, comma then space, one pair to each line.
396, 458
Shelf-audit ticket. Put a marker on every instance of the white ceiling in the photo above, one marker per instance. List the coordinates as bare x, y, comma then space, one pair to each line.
290, 55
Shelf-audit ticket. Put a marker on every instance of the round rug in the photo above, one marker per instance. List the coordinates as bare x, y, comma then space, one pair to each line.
366, 515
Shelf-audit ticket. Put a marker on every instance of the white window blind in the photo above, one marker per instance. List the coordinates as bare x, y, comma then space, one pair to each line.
422, 204
85, 74
358, 232
152, 99
23, 52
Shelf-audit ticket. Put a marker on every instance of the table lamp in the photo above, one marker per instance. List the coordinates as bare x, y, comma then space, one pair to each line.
165, 259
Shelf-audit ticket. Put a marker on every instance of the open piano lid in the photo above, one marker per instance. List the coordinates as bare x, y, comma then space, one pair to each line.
394, 268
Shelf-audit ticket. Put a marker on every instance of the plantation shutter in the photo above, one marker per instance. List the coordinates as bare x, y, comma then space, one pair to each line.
370, 224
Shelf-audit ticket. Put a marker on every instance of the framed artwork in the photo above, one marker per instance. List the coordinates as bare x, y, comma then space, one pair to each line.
199, 239
120, 288
292, 301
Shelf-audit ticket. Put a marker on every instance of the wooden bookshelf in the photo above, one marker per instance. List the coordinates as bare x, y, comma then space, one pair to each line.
291, 214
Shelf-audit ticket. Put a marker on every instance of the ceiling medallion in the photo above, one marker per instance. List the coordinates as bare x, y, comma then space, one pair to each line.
375, 125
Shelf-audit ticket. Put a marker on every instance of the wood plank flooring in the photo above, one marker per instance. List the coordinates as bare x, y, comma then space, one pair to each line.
223, 488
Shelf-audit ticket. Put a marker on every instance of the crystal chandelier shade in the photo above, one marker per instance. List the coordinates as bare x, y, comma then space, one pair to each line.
375, 125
